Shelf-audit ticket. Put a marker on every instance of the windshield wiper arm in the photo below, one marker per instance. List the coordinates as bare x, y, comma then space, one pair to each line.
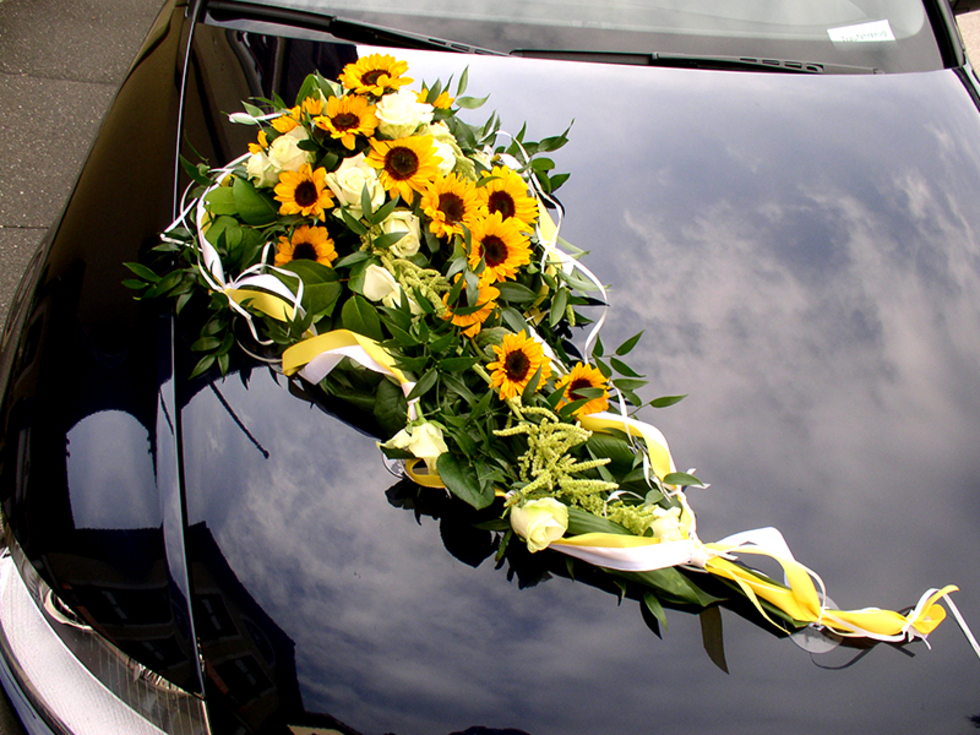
690, 61
341, 28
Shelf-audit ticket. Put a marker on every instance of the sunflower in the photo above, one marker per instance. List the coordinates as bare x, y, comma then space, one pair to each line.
507, 194
307, 243
443, 101
346, 118
518, 359
405, 165
376, 74
304, 192
285, 123
486, 302
451, 204
584, 376
501, 245
312, 106
262, 145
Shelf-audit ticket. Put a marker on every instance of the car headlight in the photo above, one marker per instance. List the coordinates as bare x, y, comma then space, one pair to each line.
64, 677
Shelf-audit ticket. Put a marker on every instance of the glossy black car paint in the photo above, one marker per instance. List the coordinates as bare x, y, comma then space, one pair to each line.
803, 253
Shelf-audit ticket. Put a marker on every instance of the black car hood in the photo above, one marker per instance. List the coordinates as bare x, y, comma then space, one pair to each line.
803, 255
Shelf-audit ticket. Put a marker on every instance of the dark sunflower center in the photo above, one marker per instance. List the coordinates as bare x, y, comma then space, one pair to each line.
452, 206
516, 365
371, 78
501, 201
575, 385
305, 195
304, 251
345, 121
401, 163
494, 250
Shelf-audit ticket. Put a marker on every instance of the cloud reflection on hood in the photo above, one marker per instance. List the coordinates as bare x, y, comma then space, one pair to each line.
804, 275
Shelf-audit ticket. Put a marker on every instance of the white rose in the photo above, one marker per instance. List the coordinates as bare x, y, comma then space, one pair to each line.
539, 522
349, 180
285, 153
378, 283
400, 114
484, 157
424, 441
402, 220
261, 171
446, 147
667, 525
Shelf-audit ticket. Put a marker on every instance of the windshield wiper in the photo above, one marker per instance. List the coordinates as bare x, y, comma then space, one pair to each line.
341, 28
690, 61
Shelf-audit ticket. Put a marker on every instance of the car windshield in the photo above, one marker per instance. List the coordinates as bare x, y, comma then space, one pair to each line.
887, 35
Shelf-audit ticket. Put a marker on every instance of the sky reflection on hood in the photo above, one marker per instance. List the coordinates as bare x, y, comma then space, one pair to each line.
801, 255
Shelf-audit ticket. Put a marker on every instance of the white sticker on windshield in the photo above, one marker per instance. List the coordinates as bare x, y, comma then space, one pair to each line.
874, 32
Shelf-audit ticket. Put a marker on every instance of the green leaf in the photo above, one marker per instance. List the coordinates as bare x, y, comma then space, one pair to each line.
471, 103
513, 319
461, 480
464, 79
390, 407
712, 638
681, 478
143, 272
622, 368
311, 272
457, 386
222, 201
352, 259
558, 307
628, 345
665, 401
515, 292
385, 211
532, 387
426, 383
542, 164
388, 239
613, 447
194, 172
309, 88
203, 365
441, 344
458, 364
629, 383
255, 209
581, 521
359, 315
598, 350
651, 603
355, 225
206, 344
411, 364
670, 585
557, 180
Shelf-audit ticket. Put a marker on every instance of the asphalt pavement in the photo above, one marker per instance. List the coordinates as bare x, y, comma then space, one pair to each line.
61, 62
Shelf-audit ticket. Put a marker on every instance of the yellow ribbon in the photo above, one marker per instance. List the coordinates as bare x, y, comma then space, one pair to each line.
660, 460
269, 304
425, 478
302, 353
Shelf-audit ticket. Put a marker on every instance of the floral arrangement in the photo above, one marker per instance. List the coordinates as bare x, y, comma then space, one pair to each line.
386, 252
